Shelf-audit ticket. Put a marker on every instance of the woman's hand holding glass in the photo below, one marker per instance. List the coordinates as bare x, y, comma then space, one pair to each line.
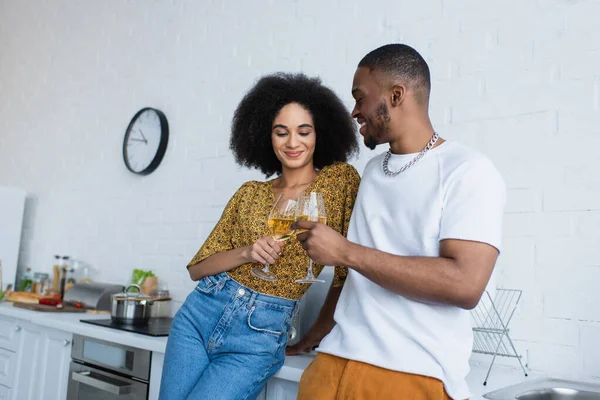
280, 223
265, 250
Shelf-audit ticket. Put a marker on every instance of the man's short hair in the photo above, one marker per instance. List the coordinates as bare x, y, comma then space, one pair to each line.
399, 61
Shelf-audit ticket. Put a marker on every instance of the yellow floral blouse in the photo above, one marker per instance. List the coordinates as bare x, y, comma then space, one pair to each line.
244, 221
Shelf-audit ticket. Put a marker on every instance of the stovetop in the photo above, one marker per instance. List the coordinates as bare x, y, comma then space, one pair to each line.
155, 326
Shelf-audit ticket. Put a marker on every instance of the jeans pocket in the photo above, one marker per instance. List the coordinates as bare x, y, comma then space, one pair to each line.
266, 321
206, 285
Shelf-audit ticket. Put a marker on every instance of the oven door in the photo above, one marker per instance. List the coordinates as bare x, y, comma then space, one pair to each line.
88, 383
125, 360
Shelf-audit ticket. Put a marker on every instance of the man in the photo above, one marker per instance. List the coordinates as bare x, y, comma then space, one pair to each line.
422, 243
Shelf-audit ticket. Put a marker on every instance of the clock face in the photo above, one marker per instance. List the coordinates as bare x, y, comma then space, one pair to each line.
145, 141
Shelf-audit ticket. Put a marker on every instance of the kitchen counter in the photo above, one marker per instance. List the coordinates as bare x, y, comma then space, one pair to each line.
70, 322
291, 371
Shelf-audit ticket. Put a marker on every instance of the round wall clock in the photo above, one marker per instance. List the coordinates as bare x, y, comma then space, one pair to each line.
145, 141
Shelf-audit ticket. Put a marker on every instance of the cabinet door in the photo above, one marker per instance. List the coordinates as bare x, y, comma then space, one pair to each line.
279, 389
7, 366
156, 368
54, 364
263, 394
9, 333
27, 368
4, 392
42, 366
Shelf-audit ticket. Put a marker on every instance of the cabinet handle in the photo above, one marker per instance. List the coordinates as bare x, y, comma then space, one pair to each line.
66, 342
17, 328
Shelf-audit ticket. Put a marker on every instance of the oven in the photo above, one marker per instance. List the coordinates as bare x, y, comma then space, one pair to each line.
103, 370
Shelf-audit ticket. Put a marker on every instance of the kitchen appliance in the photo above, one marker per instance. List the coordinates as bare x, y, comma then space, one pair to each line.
93, 295
131, 308
154, 327
102, 370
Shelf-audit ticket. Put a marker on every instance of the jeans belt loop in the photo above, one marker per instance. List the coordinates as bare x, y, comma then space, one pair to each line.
222, 281
252, 299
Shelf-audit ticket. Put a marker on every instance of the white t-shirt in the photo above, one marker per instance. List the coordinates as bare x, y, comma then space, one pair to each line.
453, 192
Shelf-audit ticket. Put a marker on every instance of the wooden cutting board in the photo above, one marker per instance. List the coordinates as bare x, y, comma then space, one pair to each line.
47, 308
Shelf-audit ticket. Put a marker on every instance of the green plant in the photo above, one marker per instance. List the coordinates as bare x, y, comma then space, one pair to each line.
138, 276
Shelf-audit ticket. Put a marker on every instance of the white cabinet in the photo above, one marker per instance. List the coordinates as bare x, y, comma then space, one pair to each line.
54, 364
8, 333
262, 395
156, 368
34, 361
7, 366
26, 374
4, 392
279, 389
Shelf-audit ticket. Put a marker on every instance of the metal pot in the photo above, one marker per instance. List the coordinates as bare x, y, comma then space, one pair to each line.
131, 308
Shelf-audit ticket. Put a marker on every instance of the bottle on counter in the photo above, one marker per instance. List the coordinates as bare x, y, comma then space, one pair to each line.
56, 274
35, 281
64, 269
26, 281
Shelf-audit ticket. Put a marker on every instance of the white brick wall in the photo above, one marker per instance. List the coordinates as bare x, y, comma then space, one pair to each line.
517, 79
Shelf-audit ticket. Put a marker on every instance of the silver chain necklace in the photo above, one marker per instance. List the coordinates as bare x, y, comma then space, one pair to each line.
412, 162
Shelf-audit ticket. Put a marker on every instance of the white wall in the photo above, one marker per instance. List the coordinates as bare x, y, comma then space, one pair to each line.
518, 79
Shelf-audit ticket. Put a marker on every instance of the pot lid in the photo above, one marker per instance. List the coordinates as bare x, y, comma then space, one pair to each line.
126, 295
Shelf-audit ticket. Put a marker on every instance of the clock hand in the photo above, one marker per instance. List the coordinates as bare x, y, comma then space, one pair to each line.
138, 140
142, 133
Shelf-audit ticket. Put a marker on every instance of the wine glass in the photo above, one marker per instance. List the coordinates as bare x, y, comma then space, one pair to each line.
311, 207
280, 222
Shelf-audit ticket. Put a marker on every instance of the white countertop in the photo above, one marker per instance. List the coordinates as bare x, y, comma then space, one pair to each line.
70, 322
291, 370
501, 376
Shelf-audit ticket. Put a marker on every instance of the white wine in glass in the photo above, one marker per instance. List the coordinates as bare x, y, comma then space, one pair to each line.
311, 207
280, 228
280, 223
320, 219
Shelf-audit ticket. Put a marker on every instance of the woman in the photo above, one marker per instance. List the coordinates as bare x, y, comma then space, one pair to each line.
230, 335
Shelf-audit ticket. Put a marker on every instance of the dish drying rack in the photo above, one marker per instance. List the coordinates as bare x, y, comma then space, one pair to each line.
490, 330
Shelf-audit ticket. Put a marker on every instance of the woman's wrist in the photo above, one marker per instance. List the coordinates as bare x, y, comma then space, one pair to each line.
246, 254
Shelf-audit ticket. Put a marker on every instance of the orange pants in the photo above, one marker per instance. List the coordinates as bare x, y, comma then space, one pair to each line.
333, 378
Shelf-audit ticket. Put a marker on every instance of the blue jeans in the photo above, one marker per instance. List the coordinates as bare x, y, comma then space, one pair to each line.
226, 341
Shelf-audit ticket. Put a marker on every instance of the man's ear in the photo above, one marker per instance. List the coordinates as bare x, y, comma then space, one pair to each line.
398, 95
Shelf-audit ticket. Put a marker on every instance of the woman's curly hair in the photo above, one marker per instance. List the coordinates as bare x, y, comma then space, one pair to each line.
251, 128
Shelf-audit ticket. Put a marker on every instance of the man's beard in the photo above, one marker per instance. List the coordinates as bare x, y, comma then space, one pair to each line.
382, 116
371, 142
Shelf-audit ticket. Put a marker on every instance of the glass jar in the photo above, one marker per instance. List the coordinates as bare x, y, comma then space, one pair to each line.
41, 283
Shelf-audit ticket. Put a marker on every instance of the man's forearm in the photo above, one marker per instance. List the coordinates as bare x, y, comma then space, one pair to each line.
426, 279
